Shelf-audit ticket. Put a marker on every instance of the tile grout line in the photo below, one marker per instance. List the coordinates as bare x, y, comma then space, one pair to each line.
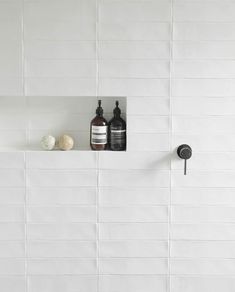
25, 224
26, 109
98, 222
171, 146
97, 153
24, 153
97, 50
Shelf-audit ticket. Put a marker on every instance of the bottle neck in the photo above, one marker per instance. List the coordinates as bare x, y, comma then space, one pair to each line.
117, 116
100, 115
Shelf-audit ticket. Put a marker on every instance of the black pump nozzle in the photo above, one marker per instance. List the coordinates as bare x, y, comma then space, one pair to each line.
99, 110
117, 111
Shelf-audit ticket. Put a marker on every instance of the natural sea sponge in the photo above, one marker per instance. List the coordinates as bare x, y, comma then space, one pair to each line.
65, 142
48, 142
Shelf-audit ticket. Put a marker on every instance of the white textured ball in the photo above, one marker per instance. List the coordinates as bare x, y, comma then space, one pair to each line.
48, 142
65, 142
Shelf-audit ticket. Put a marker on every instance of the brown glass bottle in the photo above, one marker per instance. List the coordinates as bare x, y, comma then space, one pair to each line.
117, 131
99, 130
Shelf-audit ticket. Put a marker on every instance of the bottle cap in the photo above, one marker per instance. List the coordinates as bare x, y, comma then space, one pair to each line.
99, 110
117, 111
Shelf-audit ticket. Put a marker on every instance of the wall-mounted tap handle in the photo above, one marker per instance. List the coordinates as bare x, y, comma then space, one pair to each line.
184, 151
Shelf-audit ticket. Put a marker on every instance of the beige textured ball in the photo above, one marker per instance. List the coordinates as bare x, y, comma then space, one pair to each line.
65, 142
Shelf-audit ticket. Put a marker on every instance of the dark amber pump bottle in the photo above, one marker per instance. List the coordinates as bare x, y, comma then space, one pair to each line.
117, 131
99, 130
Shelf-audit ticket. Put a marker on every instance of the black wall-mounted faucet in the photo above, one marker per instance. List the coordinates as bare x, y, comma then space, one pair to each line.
184, 151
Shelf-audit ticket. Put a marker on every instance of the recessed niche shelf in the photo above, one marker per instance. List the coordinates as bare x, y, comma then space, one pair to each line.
24, 120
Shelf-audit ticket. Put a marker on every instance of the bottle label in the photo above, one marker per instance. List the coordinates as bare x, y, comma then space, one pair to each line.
99, 134
118, 136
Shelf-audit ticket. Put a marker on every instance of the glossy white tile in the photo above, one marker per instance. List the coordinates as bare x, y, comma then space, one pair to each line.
134, 69
61, 178
61, 266
62, 231
134, 87
61, 249
133, 248
134, 214
12, 249
205, 196
203, 11
115, 11
204, 283
137, 231
133, 266
203, 231
61, 214
203, 50
59, 283
133, 283
59, 49
12, 267
61, 160
131, 31
13, 283
134, 50
61, 196
133, 178
206, 31
134, 160
202, 249
109, 196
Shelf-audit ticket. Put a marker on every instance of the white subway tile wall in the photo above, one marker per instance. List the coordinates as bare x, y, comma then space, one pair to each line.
108, 221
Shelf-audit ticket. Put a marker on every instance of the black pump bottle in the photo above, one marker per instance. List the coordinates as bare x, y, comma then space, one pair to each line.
117, 131
99, 130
